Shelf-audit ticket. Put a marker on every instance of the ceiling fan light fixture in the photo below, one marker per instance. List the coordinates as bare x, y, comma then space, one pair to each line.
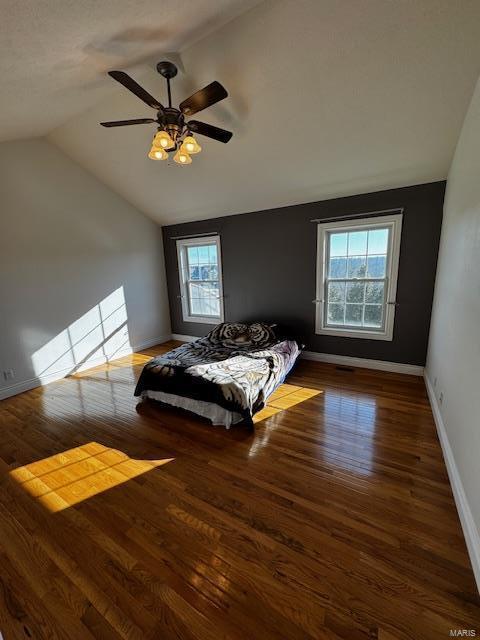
182, 157
190, 146
174, 132
163, 139
157, 153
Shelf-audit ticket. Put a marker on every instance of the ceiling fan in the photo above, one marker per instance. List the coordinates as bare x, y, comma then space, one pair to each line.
174, 134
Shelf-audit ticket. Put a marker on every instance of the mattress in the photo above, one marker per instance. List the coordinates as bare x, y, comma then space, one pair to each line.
234, 368
213, 412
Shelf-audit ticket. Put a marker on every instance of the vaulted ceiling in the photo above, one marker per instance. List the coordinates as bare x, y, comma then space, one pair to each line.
327, 97
54, 53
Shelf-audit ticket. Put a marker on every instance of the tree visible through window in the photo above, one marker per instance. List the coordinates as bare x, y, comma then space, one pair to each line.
357, 276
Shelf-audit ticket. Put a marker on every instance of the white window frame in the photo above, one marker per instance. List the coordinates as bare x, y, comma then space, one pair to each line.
182, 245
394, 225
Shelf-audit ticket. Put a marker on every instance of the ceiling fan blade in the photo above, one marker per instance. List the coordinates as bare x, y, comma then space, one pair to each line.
222, 135
124, 123
130, 84
212, 93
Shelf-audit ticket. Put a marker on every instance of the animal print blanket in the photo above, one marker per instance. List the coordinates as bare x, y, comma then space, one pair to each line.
236, 366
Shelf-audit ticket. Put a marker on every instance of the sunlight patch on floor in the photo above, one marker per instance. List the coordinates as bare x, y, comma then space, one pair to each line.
67, 478
129, 360
285, 397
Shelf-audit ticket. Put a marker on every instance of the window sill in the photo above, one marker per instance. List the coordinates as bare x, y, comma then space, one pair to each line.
203, 319
351, 333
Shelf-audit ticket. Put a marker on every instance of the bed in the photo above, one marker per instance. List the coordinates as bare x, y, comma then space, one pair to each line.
226, 376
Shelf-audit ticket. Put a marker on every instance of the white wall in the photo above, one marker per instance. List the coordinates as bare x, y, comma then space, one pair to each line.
82, 273
453, 363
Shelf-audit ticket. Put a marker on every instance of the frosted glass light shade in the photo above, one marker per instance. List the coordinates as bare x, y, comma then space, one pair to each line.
181, 157
162, 139
190, 145
157, 153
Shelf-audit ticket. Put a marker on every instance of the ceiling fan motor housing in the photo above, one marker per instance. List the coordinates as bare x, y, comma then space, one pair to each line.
172, 120
167, 69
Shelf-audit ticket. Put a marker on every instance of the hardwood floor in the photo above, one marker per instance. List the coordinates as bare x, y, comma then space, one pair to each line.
335, 519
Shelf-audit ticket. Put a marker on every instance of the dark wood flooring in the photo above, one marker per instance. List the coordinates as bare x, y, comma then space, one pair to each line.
335, 519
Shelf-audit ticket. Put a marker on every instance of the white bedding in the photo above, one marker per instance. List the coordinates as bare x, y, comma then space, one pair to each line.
216, 414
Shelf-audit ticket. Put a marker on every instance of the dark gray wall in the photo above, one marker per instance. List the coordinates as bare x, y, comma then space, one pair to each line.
269, 269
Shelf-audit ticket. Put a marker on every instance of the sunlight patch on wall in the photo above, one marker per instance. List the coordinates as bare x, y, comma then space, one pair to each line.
70, 477
97, 336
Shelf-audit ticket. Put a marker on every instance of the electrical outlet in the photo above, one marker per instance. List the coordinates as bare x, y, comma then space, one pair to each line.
9, 374
440, 399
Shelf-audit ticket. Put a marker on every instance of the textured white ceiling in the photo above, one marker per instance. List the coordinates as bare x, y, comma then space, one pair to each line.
54, 53
327, 98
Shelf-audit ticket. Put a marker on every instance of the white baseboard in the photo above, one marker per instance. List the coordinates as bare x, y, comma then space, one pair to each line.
470, 530
349, 361
20, 387
382, 365
152, 343
46, 378
183, 338
42, 380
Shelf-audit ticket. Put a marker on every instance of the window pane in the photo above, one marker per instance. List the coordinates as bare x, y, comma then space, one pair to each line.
203, 255
212, 307
355, 291
204, 298
373, 315
353, 314
377, 241
335, 313
374, 292
338, 268
338, 244
196, 306
357, 267
205, 273
211, 289
212, 254
192, 253
194, 273
357, 243
196, 291
336, 292
377, 266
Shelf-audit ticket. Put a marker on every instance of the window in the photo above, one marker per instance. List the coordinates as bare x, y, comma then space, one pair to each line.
200, 271
357, 265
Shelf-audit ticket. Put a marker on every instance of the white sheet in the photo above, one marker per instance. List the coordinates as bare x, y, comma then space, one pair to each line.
216, 414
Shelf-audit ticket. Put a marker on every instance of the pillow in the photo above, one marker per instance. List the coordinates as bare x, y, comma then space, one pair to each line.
285, 332
242, 335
